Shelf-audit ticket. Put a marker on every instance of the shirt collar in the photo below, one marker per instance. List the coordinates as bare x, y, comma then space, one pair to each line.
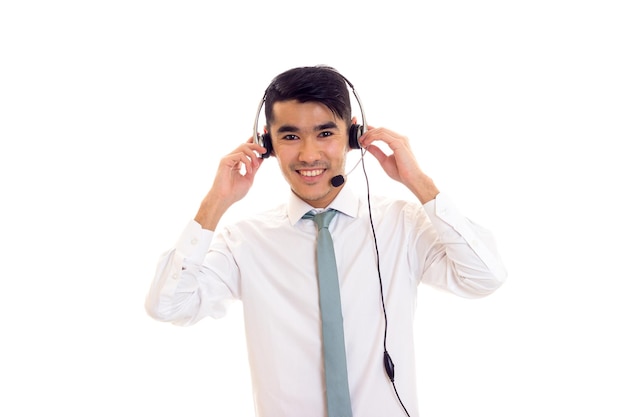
346, 202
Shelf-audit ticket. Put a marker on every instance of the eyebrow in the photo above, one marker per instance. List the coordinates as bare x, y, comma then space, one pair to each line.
323, 126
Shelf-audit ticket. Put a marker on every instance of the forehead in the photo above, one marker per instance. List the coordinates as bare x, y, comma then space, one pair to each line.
293, 112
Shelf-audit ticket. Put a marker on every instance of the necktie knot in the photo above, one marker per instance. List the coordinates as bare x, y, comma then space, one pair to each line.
323, 219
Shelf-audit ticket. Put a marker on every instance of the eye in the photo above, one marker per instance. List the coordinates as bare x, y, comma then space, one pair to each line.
290, 137
326, 134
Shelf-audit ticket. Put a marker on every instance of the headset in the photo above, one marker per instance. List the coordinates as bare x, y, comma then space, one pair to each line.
354, 134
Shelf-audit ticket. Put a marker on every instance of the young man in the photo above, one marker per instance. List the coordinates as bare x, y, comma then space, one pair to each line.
383, 248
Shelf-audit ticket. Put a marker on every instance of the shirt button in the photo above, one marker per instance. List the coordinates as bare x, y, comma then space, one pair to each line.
175, 276
194, 241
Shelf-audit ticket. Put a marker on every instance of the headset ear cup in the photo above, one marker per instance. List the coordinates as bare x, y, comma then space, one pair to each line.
266, 141
356, 131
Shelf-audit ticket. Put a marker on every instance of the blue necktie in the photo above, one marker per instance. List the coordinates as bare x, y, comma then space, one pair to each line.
335, 369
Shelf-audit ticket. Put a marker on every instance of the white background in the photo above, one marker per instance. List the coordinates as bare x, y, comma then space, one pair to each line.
113, 116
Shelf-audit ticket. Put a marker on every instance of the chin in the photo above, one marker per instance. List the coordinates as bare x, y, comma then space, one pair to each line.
316, 194
320, 193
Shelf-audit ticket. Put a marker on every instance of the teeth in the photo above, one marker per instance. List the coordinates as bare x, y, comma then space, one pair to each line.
312, 173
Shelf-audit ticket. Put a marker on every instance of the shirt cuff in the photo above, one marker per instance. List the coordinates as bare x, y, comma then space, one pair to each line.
453, 227
194, 242
442, 209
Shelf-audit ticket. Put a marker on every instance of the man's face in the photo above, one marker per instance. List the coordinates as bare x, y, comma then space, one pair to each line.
310, 143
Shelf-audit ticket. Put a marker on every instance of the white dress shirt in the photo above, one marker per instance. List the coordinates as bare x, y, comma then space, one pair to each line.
267, 261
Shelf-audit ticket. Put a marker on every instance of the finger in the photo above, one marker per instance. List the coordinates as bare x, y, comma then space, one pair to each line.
246, 162
372, 135
252, 159
256, 147
253, 152
377, 153
391, 138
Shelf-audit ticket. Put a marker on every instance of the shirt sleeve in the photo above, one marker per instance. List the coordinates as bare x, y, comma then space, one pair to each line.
464, 259
183, 290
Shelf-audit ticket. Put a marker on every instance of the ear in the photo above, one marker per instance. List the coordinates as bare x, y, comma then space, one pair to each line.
350, 130
354, 133
268, 146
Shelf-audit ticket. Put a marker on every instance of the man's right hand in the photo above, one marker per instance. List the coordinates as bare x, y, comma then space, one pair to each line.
234, 178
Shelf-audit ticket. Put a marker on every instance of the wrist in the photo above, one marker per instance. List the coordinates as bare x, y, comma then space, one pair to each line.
424, 189
211, 211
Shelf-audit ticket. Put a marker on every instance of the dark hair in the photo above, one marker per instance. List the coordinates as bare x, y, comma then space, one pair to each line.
322, 84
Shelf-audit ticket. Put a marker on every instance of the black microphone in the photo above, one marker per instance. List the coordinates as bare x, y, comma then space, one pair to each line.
337, 180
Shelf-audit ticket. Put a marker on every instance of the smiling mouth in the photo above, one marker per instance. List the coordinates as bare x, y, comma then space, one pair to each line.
311, 172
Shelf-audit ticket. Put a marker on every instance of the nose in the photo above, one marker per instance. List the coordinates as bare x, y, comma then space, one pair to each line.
309, 150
